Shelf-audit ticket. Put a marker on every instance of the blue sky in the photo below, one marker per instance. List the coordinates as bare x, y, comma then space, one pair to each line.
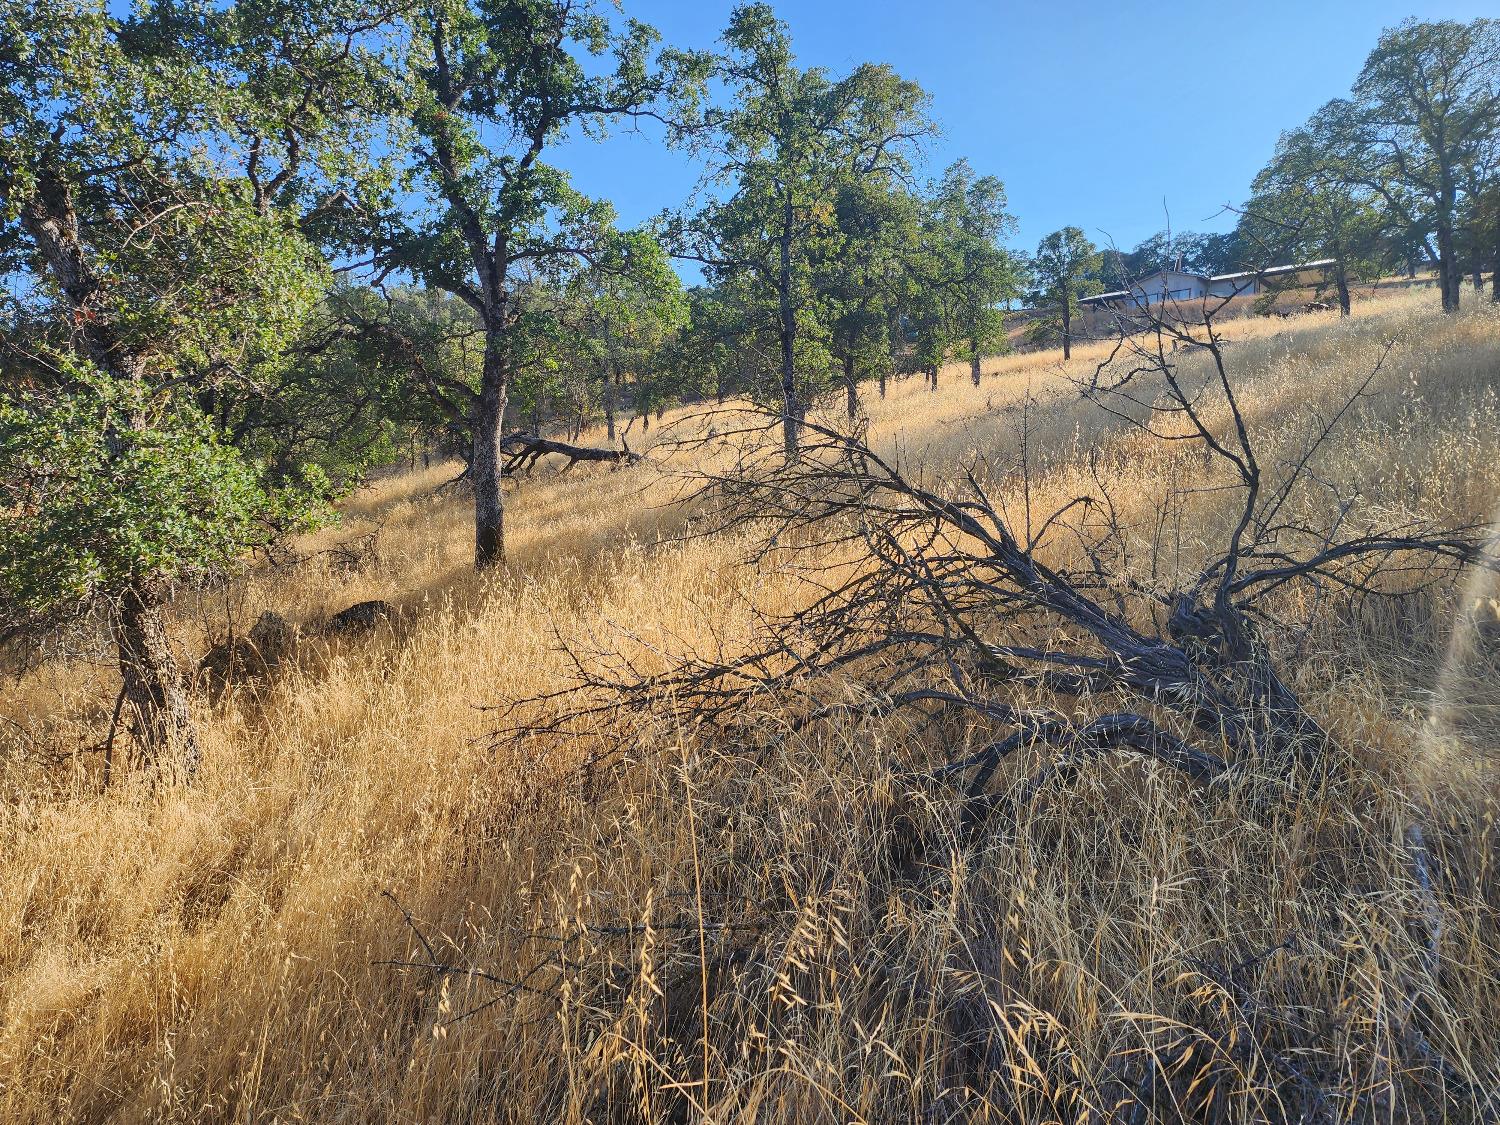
1104, 115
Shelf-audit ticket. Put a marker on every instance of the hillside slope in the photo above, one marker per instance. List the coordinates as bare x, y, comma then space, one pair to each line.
225, 951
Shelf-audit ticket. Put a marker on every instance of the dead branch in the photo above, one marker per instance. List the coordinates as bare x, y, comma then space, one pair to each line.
524, 450
939, 594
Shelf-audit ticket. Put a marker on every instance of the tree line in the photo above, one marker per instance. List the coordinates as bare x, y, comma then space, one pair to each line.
254, 248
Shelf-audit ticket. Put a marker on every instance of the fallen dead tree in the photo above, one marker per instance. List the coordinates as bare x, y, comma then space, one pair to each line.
945, 595
523, 451
1048, 643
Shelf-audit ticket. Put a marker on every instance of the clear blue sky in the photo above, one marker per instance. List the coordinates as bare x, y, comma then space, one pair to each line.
1093, 113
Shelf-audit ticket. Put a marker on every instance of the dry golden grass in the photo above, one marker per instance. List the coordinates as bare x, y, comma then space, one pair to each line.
210, 953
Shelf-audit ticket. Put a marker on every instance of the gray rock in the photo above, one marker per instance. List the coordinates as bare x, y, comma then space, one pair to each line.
247, 657
361, 616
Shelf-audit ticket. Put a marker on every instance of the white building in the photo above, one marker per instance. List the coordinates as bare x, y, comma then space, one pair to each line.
1182, 285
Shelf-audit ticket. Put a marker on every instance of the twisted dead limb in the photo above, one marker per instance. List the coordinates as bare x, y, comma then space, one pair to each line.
1033, 631
946, 594
524, 450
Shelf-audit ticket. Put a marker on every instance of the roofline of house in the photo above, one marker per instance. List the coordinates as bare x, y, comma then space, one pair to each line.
1275, 271
1271, 271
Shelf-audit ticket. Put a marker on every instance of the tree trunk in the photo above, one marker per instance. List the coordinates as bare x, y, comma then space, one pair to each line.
851, 389
790, 413
1067, 323
611, 377
974, 361
524, 450
1341, 280
1450, 277
153, 684
486, 463
1495, 274
882, 374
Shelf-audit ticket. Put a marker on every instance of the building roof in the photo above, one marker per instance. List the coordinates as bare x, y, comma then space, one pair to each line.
1275, 271
1243, 275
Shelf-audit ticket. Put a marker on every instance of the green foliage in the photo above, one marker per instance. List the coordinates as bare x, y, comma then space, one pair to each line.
213, 285
719, 350
801, 163
619, 316
864, 272
1066, 267
163, 180
969, 221
1307, 203
104, 486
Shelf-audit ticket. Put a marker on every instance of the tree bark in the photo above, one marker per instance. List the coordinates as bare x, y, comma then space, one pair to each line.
1341, 280
611, 378
851, 389
1449, 274
882, 374
486, 465
974, 361
51, 220
524, 450
153, 683
790, 413
1067, 322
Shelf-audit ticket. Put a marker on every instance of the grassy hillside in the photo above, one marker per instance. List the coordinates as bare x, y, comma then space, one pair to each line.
216, 952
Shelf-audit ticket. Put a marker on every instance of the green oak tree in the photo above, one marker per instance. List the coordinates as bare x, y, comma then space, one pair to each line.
1427, 98
166, 182
488, 88
972, 218
779, 154
1064, 269
1307, 203
861, 276
621, 312
1480, 214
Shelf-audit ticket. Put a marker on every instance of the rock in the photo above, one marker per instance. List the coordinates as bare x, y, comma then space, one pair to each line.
361, 616
272, 634
251, 655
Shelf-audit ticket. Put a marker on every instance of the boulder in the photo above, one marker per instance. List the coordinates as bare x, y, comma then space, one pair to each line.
251, 655
361, 616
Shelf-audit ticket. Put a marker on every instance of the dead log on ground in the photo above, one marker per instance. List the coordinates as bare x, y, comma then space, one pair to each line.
524, 450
